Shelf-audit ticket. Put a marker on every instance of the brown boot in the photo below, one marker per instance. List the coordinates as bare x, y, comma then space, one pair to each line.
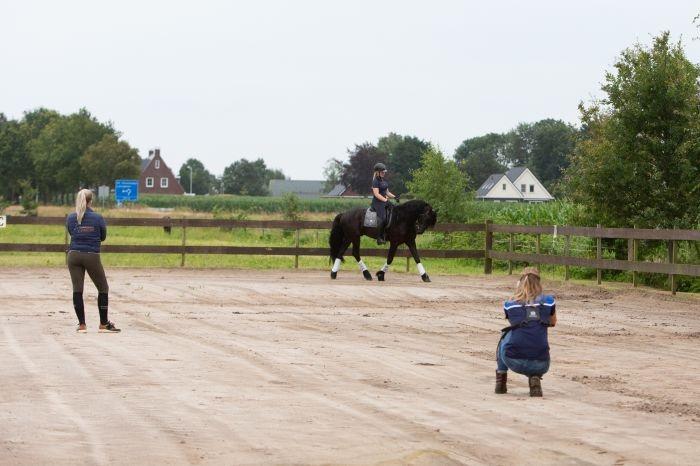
535, 385
501, 379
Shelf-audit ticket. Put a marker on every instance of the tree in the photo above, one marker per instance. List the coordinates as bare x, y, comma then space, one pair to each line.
358, 172
440, 183
642, 145
57, 150
108, 160
481, 157
15, 164
202, 181
273, 174
544, 147
332, 173
246, 178
404, 156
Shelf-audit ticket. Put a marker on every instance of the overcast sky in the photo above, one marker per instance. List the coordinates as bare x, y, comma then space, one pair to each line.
298, 82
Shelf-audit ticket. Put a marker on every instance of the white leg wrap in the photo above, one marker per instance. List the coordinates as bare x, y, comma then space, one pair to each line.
362, 265
336, 265
385, 267
421, 269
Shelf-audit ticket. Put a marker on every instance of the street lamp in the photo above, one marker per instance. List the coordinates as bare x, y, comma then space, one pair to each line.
190, 167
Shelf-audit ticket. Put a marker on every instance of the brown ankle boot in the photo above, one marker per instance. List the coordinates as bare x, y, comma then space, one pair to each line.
535, 385
501, 379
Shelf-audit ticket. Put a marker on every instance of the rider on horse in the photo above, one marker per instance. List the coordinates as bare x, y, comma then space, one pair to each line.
380, 199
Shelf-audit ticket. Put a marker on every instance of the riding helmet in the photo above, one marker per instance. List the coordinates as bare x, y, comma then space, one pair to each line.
379, 167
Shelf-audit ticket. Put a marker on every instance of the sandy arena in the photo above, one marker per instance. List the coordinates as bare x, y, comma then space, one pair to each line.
250, 367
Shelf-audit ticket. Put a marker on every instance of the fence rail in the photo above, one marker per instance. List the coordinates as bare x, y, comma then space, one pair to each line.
487, 254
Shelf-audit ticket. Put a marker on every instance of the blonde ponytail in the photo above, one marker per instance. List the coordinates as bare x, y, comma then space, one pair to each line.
529, 286
82, 200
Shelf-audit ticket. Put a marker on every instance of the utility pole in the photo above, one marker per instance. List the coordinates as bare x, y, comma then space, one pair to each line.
190, 167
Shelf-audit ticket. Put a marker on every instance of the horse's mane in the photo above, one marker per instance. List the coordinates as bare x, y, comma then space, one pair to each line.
411, 209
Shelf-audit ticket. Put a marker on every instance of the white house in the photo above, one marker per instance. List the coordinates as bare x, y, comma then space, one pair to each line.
517, 184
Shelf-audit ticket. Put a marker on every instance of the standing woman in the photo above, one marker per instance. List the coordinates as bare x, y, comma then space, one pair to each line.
380, 197
87, 230
524, 347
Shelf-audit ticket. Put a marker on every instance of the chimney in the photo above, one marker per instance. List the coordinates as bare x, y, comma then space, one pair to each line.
150, 153
157, 152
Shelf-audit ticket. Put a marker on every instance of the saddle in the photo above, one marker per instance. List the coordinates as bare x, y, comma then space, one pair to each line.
371, 219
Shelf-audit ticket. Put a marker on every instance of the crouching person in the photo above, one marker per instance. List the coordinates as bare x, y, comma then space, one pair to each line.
523, 347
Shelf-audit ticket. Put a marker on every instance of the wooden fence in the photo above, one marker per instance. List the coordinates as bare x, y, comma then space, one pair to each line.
488, 253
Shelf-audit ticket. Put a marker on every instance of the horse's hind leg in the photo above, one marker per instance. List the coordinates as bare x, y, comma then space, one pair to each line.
356, 254
338, 260
389, 259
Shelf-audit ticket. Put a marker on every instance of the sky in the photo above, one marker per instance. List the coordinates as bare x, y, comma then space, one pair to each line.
299, 82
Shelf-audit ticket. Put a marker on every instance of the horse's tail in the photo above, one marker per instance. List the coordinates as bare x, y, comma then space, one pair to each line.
336, 239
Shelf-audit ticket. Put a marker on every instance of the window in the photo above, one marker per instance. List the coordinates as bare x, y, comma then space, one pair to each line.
532, 188
504, 186
163, 182
149, 182
523, 188
157, 164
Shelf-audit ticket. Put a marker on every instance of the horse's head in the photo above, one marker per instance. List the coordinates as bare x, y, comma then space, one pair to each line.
426, 219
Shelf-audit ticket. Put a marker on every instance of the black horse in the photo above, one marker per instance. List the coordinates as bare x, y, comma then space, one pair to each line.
409, 219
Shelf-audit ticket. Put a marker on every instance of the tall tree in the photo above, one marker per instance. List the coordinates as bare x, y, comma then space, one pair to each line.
481, 157
56, 151
246, 178
404, 156
202, 181
643, 141
358, 172
108, 160
440, 183
15, 164
332, 173
543, 146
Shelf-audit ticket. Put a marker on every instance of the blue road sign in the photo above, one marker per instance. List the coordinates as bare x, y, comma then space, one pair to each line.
126, 190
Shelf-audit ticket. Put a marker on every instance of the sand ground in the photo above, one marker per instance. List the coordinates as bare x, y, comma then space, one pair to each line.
247, 367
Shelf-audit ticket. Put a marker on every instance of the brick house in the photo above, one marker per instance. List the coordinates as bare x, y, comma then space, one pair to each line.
156, 177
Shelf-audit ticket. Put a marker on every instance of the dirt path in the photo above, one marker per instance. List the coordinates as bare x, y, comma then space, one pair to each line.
240, 367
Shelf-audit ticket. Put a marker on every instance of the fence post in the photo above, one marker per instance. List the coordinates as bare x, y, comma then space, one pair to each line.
184, 241
488, 245
599, 254
511, 246
672, 247
408, 264
296, 244
65, 233
538, 245
635, 256
567, 252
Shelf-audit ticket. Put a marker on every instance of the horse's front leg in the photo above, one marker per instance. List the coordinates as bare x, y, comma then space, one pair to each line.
360, 262
389, 259
414, 252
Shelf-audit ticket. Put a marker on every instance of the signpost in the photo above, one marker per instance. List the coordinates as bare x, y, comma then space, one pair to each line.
3, 221
126, 190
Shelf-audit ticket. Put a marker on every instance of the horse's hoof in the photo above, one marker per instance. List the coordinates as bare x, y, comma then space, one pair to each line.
380, 276
425, 278
334, 275
367, 275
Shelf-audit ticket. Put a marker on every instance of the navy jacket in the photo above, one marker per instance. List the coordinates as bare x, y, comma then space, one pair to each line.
87, 236
529, 341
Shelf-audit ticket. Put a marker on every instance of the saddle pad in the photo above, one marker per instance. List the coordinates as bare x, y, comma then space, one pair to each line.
370, 218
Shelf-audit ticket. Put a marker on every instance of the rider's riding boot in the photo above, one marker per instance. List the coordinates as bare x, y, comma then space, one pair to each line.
380, 232
501, 379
